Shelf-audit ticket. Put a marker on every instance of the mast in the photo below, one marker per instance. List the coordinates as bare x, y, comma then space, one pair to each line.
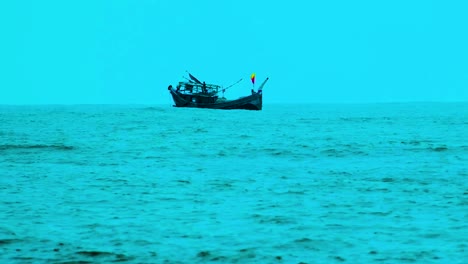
261, 85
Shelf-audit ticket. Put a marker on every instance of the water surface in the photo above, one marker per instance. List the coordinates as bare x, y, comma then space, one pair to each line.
374, 183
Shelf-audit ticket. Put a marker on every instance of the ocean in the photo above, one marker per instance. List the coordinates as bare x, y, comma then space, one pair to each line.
308, 183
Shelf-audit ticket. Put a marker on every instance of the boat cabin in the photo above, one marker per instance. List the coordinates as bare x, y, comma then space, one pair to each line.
198, 92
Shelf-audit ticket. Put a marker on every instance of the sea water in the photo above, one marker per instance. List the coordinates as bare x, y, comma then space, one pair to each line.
371, 183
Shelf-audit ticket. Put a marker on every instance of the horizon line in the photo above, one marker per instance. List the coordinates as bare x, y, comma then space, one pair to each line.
268, 103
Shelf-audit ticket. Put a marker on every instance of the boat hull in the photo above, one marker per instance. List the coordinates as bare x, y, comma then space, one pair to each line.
251, 102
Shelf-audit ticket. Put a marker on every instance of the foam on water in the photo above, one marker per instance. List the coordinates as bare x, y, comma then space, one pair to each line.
289, 184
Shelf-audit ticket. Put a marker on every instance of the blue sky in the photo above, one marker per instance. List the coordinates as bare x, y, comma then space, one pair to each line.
111, 51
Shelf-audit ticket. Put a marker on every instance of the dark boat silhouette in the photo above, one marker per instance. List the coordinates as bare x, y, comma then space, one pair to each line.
194, 93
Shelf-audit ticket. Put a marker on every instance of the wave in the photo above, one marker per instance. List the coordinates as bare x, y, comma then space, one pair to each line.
332, 152
153, 108
439, 149
7, 147
9, 241
112, 257
429, 149
415, 142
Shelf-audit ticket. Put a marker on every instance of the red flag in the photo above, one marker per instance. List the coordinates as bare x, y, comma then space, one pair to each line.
252, 77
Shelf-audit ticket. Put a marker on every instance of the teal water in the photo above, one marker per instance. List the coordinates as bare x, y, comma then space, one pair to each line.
375, 183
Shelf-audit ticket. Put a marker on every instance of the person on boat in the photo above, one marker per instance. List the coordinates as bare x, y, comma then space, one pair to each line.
204, 88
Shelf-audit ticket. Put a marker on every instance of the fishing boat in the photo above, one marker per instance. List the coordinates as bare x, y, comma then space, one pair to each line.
194, 93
